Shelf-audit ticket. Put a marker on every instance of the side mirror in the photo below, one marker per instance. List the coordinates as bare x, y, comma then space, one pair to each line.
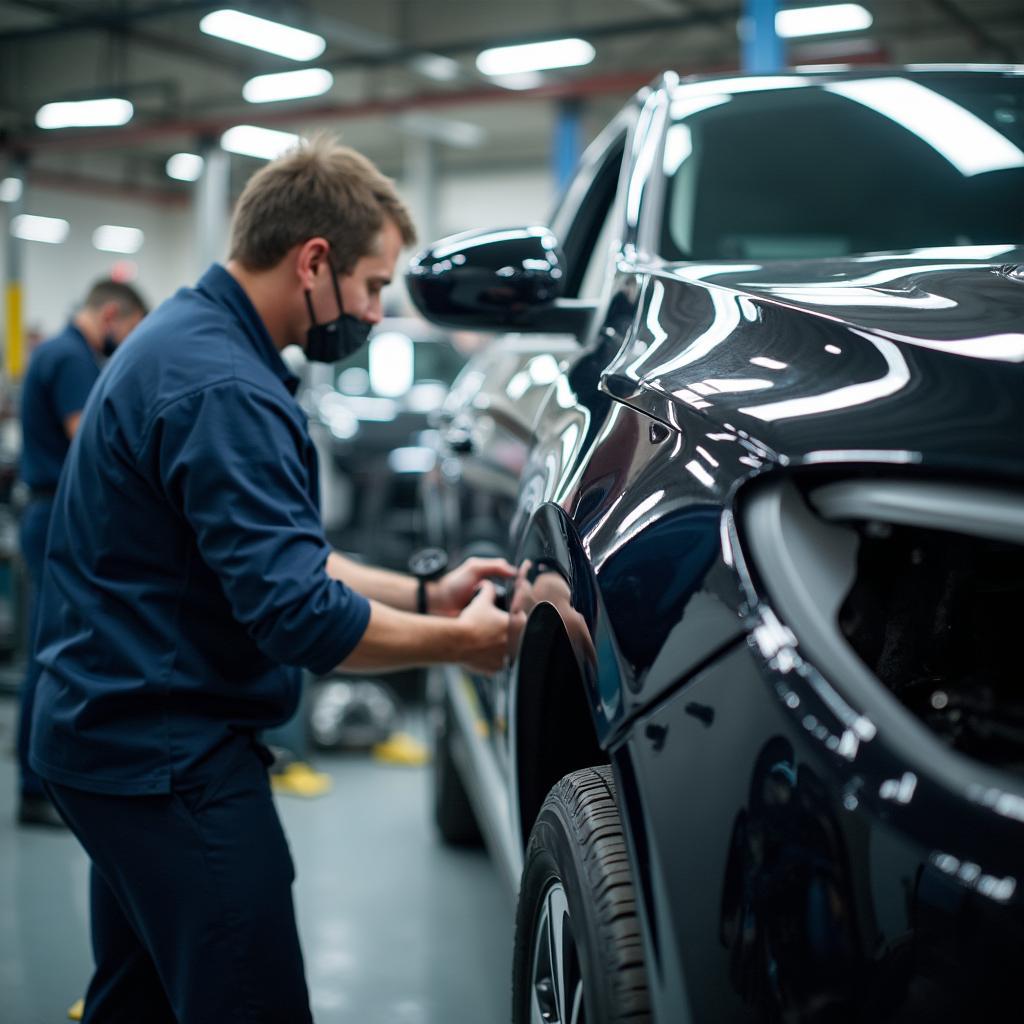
495, 280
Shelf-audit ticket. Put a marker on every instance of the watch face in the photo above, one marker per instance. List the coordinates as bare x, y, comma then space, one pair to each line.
428, 563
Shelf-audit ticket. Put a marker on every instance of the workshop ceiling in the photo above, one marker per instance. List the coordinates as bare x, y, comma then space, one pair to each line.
186, 85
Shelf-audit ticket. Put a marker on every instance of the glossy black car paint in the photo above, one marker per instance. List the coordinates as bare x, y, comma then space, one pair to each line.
804, 850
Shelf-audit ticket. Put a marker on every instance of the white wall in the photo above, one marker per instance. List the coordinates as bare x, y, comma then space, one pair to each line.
56, 277
494, 199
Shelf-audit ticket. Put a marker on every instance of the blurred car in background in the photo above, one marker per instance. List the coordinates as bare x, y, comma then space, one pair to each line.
482, 442
756, 451
370, 417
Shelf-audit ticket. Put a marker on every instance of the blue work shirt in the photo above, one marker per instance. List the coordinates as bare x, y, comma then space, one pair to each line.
60, 376
186, 560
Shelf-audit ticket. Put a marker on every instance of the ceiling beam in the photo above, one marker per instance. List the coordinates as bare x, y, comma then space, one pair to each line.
127, 28
623, 84
62, 182
132, 134
97, 20
604, 30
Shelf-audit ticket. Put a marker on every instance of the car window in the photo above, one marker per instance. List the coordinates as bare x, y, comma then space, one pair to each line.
591, 233
845, 166
597, 262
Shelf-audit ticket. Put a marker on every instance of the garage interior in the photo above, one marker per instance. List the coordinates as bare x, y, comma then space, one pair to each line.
396, 927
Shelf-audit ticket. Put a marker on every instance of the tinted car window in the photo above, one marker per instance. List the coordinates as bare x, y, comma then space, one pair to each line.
591, 227
844, 167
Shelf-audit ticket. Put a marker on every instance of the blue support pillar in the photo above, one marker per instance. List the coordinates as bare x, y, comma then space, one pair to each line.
761, 45
567, 145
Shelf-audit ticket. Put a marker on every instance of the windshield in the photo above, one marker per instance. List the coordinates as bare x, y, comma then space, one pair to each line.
828, 167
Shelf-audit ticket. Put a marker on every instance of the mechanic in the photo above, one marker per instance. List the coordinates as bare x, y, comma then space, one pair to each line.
189, 580
60, 376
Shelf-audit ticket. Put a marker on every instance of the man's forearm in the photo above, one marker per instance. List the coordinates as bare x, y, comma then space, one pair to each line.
396, 639
382, 585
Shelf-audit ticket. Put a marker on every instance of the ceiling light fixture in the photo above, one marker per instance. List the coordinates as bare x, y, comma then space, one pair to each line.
555, 53
31, 228
115, 238
435, 66
10, 190
261, 34
184, 166
85, 114
821, 21
287, 85
263, 143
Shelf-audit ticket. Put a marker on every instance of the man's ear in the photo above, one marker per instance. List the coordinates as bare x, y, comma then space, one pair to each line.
311, 255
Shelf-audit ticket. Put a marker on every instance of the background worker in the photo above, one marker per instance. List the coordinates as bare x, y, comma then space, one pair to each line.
175, 623
61, 373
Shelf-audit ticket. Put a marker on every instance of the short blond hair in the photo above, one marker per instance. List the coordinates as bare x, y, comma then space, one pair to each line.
319, 189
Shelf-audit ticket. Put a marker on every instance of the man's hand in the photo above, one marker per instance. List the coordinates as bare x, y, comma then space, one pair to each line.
453, 592
485, 633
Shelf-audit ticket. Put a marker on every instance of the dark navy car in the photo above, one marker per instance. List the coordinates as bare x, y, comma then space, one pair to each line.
755, 440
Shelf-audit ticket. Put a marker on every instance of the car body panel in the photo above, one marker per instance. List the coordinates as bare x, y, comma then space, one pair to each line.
802, 380
808, 881
802, 852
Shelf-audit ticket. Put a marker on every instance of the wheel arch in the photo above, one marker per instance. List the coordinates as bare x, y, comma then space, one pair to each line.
554, 728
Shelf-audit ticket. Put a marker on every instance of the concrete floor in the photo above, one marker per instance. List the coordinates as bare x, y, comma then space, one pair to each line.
396, 928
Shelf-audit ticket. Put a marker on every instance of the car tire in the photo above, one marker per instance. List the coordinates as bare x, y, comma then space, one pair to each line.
577, 886
453, 813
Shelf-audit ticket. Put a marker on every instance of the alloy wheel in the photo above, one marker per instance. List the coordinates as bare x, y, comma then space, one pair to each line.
556, 981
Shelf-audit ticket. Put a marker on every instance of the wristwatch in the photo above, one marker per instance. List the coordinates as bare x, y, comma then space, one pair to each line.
427, 565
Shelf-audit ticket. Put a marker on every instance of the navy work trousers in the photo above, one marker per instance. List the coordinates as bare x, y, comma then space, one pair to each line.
192, 914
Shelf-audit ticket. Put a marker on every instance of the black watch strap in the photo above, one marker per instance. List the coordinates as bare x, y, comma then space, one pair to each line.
426, 564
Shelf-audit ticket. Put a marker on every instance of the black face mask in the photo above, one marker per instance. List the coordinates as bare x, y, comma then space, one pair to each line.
336, 339
109, 346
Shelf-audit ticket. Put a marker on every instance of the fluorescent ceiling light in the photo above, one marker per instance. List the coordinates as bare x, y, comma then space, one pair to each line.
264, 143
433, 65
270, 36
288, 85
556, 53
114, 238
185, 166
84, 114
967, 142
10, 190
39, 229
821, 21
